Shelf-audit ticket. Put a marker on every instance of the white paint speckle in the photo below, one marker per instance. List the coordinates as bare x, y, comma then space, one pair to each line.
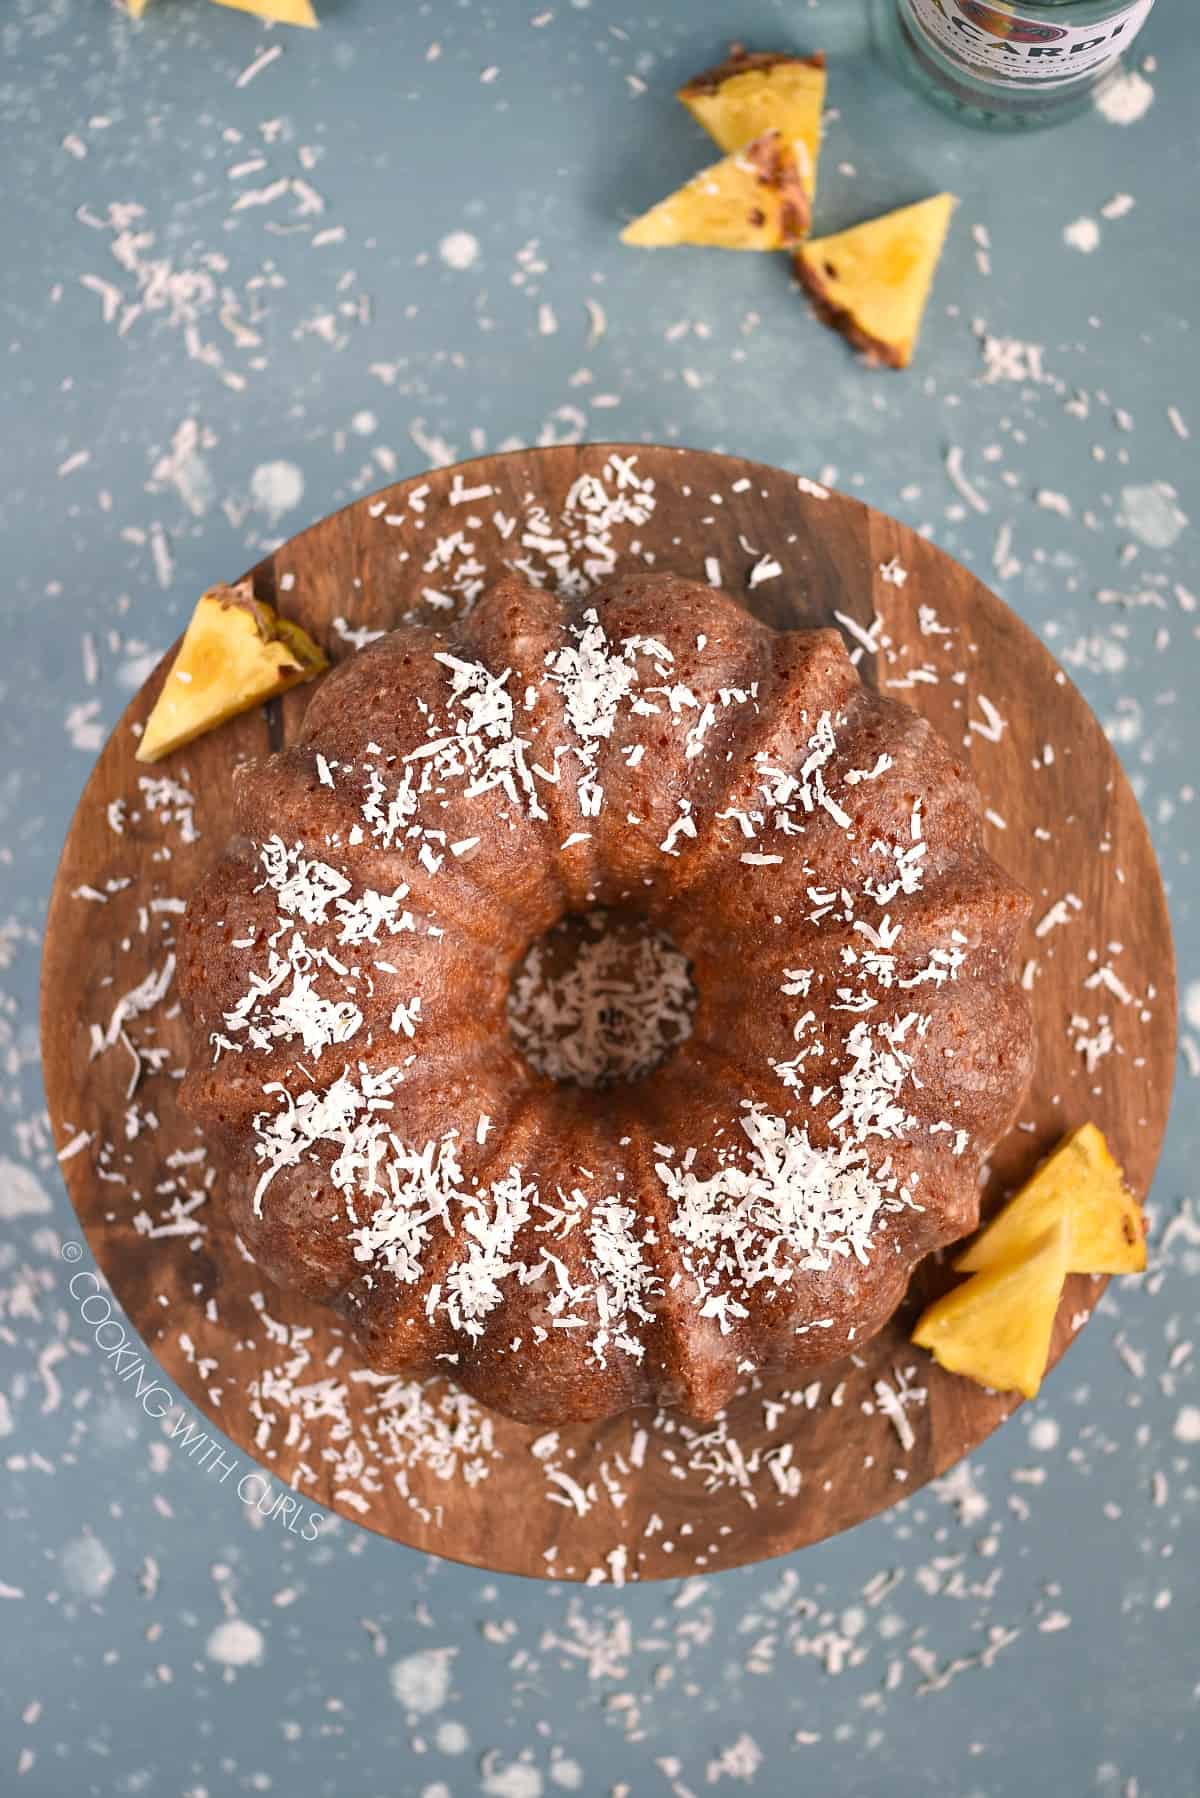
1043, 1434
1125, 725
1083, 234
1187, 1424
452, 1738
87, 1566
1191, 1004
1125, 99
960, 1489
459, 249
276, 488
517, 1780
421, 1682
1152, 515
236, 1643
21, 1192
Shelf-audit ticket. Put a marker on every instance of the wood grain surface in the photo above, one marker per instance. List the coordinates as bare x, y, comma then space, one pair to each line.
641, 1496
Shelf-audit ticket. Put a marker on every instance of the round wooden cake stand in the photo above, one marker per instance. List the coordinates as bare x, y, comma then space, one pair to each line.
643, 1496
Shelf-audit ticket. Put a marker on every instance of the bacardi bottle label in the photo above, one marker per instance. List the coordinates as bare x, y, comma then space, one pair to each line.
1008, 47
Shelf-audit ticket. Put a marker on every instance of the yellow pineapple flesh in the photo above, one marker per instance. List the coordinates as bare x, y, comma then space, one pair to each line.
753, 200
996, 1327
283, 12
871, 282
1083, 1184
749, 94
236, 653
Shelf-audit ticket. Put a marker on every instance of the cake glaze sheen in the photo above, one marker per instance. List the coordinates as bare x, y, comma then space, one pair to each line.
754, 1204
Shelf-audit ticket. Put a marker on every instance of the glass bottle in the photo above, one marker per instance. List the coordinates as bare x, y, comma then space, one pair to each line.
1013, 64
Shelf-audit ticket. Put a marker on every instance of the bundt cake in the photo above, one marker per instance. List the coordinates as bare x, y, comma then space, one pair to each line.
386, 1020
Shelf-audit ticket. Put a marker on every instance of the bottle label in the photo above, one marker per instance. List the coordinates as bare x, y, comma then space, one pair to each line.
1004, 45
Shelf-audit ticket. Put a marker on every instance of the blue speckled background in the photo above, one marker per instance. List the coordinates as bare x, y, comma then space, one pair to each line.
229, 305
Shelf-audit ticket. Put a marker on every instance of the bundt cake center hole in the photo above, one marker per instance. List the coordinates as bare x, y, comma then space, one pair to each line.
602, 999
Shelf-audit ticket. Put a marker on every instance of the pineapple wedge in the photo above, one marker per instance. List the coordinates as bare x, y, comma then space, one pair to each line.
236, 653
753, 200
283, 12
748, 94
871, 282
1081, 1183
996, 1327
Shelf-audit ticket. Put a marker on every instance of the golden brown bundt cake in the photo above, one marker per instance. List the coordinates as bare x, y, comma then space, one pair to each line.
403, 1057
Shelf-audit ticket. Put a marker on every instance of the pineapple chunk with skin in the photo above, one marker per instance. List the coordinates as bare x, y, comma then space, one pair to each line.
753, 200
996, 1327
750, 93
236, 653
871, 282
1082, 1183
